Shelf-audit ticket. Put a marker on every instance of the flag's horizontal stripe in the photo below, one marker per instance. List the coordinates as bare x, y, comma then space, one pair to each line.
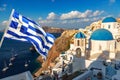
28, 34
24, 19
12, 37
50, 38
24, 30
39, 52
36, 38
37, 46
36, 30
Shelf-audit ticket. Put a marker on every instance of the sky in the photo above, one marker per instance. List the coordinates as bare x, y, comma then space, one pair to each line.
69, 14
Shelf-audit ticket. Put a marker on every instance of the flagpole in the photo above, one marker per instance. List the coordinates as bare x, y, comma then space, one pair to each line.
6, 28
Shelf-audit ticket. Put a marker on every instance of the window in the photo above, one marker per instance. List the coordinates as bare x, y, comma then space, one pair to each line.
78, 43
108, 26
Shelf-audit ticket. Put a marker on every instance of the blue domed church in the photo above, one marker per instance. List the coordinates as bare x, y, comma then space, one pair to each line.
102, 41
112, 25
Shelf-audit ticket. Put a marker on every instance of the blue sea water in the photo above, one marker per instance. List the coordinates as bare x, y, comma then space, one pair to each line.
10, 47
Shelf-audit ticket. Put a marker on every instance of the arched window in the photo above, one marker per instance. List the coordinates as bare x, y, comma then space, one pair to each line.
78, 52
78, 43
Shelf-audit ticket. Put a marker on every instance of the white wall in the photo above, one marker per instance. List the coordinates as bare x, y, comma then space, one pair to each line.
99, 46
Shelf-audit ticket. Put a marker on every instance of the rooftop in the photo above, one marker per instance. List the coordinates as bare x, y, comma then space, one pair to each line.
101, 34
109, 19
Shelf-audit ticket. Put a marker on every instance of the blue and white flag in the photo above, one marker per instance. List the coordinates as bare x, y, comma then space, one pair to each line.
24, 29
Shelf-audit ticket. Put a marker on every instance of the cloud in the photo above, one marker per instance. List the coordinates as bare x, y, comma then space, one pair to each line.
97, 12
3, 7
70, 15
78, 14
75, 14
52, 16
3, 24
72, 19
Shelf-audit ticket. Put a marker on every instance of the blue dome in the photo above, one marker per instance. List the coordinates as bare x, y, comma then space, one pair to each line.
101, 34
109, 19
80, 35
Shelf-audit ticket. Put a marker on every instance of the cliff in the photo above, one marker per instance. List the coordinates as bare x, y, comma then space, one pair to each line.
61, 44
53, 30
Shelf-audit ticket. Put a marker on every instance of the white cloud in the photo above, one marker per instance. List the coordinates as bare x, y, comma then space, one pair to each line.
52, 16
97, 12
3, 7
77, 14
70, 15
4, 23
87, 13
71, 19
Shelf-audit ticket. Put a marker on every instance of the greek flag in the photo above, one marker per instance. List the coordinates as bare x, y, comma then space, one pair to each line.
24, 29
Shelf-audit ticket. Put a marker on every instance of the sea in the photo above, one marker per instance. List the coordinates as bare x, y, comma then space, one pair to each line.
22, 55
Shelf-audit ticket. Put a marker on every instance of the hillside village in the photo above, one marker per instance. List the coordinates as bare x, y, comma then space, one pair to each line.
97, 42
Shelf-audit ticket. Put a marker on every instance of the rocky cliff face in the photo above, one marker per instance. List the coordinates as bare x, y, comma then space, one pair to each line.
53, 30
61, 44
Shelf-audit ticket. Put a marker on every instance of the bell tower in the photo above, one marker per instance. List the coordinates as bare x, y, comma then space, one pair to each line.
80, 44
